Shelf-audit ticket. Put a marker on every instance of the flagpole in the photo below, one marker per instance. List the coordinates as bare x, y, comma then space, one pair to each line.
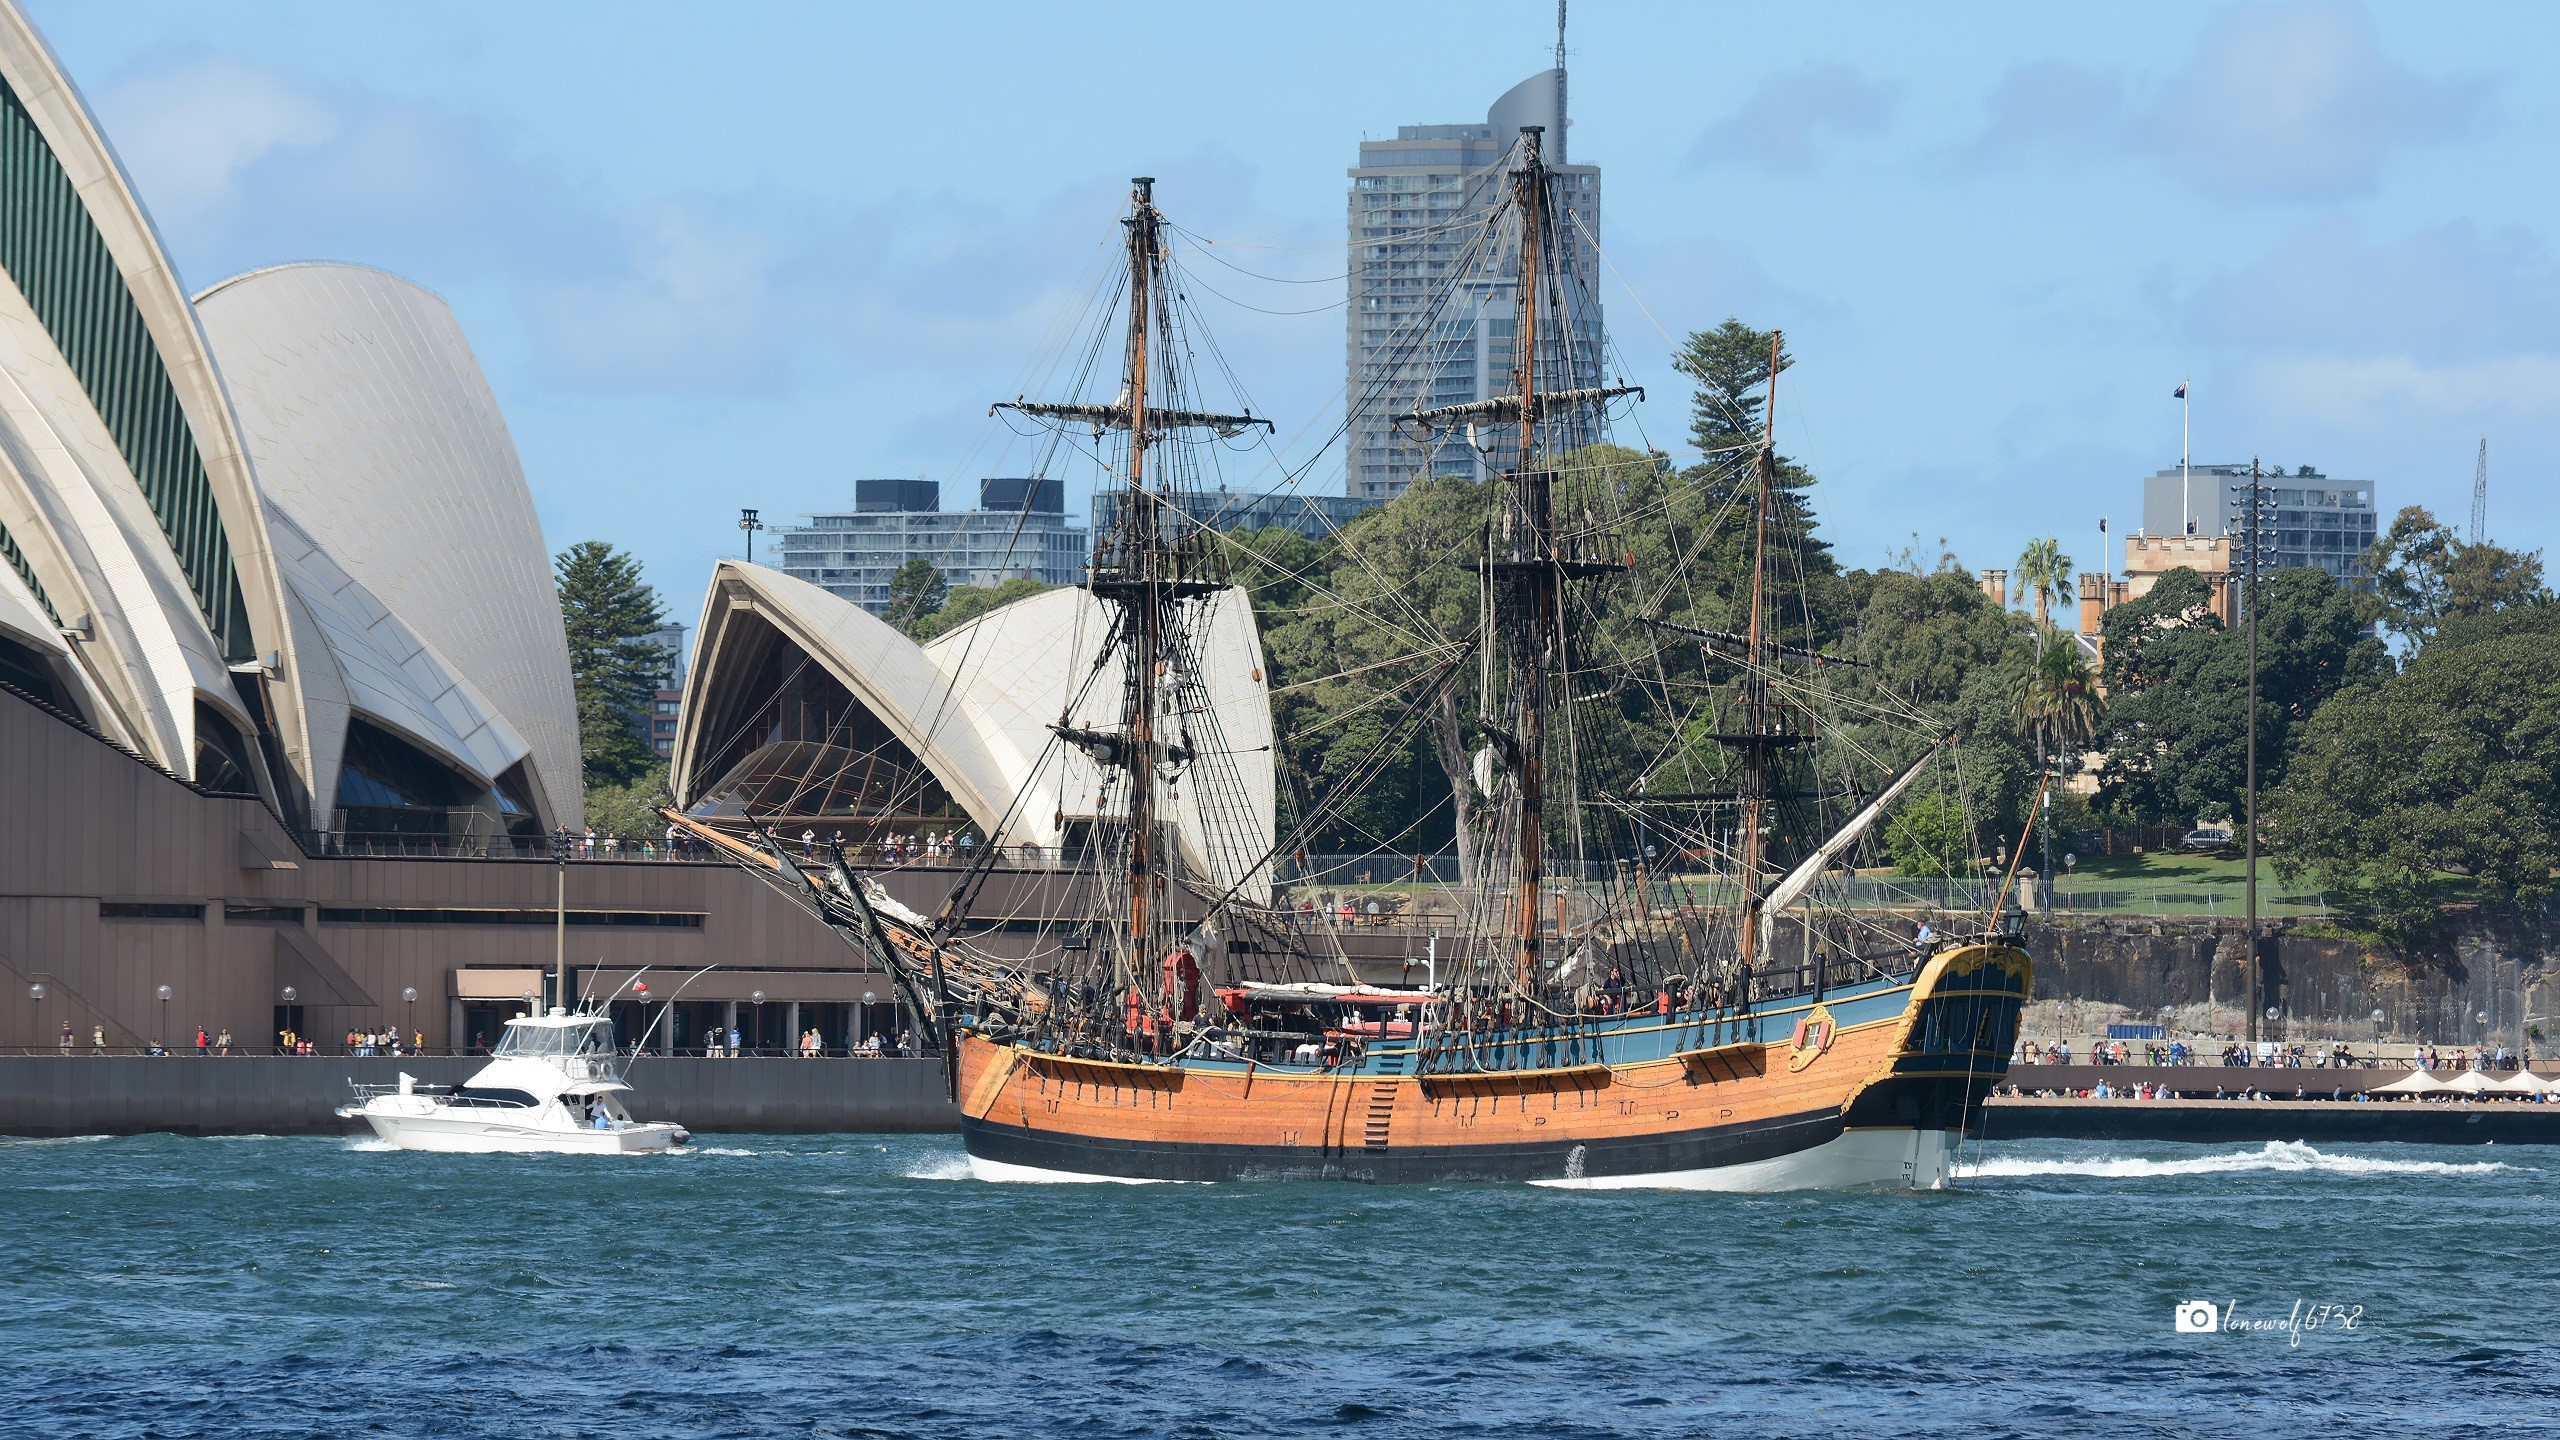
2186, 504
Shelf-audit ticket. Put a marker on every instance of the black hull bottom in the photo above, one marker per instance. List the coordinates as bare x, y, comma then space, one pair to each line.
1709, 1149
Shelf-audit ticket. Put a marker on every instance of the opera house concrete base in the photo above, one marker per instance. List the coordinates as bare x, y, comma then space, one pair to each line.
117, 879
294, 1095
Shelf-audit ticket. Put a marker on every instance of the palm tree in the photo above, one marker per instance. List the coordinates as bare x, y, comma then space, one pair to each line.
2058, 699
2045, 573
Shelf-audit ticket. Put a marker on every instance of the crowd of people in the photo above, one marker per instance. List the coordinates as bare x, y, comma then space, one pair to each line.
730, 1044
2240, 1055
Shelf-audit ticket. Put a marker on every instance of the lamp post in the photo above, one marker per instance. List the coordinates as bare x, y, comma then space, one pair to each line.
162, 1039
862, 1018
2253, 541
756, 998
409, 997
748, 522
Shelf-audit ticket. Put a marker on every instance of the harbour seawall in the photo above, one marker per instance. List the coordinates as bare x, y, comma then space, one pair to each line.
289, 1095
2195, 1116
2192, 970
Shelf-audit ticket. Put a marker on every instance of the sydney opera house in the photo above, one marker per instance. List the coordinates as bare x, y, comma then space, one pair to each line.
276, 600
286, 715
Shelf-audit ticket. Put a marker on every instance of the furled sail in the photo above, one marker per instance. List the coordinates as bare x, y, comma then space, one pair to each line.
1801, 878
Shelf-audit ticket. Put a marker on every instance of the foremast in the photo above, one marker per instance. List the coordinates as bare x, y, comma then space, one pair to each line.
1144, 572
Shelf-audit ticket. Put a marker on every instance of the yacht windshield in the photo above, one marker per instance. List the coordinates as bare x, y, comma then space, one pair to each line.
543, 1042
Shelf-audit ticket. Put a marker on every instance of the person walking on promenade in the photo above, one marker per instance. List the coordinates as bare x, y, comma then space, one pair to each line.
68, 1039
734, 1038
97, 1039
204, 1042
222, 1043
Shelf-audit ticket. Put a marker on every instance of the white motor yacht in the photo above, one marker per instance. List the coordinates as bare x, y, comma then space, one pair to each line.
553, 1084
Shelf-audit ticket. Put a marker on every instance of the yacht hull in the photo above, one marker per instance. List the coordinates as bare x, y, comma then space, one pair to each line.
475, 1135
1868, 1086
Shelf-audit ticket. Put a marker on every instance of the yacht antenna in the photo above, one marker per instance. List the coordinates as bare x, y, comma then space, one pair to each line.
560, 927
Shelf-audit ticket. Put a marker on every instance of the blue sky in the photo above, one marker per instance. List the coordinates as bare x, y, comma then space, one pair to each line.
744, 255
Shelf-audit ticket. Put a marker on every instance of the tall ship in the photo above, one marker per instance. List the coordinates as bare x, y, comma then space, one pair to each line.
1648, 973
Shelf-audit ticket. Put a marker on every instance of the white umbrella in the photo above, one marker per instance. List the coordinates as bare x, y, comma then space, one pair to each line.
2525, 1082
2417, 1082
2472, 1082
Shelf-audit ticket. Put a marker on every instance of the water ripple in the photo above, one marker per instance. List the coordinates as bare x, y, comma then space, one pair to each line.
853, 1286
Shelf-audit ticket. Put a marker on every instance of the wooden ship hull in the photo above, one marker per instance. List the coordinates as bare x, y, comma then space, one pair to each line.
1868, 1083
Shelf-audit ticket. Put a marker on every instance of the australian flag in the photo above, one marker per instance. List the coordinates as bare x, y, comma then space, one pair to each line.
2180, 393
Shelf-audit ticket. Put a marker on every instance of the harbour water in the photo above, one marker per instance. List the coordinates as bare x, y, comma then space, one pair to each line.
861, 1286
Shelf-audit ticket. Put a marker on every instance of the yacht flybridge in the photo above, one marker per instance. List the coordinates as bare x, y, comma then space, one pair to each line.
554, 1084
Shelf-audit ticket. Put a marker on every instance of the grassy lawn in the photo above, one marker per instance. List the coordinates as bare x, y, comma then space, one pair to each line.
2173, 867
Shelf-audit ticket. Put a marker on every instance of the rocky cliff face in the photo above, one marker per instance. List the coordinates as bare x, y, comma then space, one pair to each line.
2193, 975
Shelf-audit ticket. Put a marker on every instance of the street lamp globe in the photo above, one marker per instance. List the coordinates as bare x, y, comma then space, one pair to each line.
291, 994
757, 996
36, 991
869, 998
409, 993
2377, 1017
164, 992
2271, 1012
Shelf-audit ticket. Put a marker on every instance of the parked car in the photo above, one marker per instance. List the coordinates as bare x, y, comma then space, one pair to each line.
2205, 839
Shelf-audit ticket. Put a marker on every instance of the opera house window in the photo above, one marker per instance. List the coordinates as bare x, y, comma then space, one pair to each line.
796, 746
389, 789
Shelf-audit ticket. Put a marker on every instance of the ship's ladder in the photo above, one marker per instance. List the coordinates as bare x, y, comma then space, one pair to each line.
1382, 1096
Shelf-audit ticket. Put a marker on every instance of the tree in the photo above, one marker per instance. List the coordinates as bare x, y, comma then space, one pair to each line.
1944, 652
1928, 836
2044, 574
2177, 733
615, 663
2425, 573
916, 591
630, 809
2445, 777
967, 602
1731, 367
2058, 696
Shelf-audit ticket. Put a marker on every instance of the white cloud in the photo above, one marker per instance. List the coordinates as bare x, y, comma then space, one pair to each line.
186, 132
2294, 101
2447, 293
1791, 119
2383, 392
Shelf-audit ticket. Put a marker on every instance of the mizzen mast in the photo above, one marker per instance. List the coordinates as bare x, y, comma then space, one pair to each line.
1755, 740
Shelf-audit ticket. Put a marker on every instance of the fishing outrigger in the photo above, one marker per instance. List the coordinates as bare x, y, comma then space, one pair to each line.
1716, 1017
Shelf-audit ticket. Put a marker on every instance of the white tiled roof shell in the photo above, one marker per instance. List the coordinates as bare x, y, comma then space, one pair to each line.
975, 705
1015, 669
384, 673
370, 422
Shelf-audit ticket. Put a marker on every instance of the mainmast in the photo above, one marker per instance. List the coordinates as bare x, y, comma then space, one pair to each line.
1524, 569
1145, 620
1536, 558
